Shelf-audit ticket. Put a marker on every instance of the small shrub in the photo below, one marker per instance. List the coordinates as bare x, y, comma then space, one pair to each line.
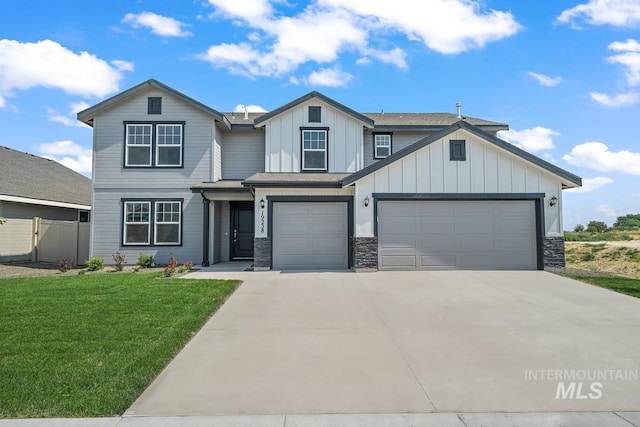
187, 266
633, 254
172, 259
81, 272
95, 263
136, 269
145, 261
586, 257
597, 248
169, 270
65, 265
120, 260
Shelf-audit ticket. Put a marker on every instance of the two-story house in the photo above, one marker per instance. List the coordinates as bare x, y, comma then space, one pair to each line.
316, 185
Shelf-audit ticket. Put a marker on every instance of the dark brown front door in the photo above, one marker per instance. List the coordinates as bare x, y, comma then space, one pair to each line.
242, 230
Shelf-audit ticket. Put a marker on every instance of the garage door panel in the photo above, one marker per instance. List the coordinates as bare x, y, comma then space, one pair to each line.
310, 235
492, 234
399, 260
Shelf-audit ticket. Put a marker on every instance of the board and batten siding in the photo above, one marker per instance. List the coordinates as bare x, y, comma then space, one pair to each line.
242, 153
487, 169
109, 136
399, 140
283, 139
107, 226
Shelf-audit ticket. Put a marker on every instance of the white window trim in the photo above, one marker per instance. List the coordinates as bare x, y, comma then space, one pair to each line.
158, 145
156, 223
376, 146
127, 145
326, 149
125, 223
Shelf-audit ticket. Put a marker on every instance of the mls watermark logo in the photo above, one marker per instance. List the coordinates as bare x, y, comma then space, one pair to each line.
580, 384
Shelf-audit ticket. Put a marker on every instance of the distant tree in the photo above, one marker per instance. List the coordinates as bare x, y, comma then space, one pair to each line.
579, 228
630, 221
596, 227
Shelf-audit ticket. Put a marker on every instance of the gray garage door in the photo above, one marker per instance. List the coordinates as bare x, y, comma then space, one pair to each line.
457, 234
310, 235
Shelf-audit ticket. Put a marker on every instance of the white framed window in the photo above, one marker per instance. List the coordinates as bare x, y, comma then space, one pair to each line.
136, 229
381, 145
138, 149
167, 223
168, 145
314, 150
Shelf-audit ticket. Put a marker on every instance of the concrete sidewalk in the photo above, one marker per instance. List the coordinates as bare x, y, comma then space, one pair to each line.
530, 419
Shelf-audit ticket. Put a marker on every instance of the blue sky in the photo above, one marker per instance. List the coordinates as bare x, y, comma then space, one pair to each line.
564, 74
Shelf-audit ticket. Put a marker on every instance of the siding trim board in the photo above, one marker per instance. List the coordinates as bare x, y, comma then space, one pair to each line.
302, 199
537, 198
568, 176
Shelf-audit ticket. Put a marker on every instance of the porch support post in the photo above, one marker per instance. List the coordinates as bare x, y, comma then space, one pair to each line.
205, 230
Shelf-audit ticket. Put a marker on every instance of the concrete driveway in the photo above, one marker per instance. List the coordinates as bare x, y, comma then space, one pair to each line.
394, 342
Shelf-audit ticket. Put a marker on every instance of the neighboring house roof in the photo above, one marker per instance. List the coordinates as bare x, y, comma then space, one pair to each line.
24, 176
86, 116
427, 120
295, 179
571, 179
360, 117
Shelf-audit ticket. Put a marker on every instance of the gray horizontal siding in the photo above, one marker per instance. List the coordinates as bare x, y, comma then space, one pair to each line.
109, 145
399, 140
28, 211
242, 154
107, 226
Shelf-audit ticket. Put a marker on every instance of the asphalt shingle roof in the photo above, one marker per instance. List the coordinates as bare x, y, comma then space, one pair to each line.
26, 175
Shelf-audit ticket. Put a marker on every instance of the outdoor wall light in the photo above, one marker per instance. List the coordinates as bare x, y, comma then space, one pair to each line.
553, 201
261, 203
366, 201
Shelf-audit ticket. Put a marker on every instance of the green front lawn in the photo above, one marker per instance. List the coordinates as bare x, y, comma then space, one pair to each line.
618, 284
81, 346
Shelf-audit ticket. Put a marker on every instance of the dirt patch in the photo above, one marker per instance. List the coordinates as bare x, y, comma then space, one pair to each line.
39, 269
603, 259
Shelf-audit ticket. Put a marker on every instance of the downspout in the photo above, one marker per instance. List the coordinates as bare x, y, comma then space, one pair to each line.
205, 230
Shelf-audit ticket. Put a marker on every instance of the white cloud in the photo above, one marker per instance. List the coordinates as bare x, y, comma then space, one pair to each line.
71, 119
332, 77
433, 22
250, 109
618, 13
627, 45
123, 65
48, 64
325, 29
545, 80
363, 61
69, 154
591, 184
534, 139
620, 100
158, 24
596, 155
606, 210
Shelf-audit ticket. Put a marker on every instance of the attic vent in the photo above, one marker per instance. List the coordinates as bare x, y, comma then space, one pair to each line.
154, 105
314, 114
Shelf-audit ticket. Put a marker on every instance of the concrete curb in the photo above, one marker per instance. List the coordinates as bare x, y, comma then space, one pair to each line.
524, 419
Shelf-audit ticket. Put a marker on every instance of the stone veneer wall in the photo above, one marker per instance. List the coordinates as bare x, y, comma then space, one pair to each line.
365, 253
553, 248
262, 253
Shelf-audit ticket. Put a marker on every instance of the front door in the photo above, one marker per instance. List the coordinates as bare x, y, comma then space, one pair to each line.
242, 227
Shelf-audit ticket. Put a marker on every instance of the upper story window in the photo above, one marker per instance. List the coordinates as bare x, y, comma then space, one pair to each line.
381, 145
154, 105
315, 114
457, 150
314, 149
153, 144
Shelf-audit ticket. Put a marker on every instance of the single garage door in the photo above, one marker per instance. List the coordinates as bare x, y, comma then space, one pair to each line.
310, 235
443, 234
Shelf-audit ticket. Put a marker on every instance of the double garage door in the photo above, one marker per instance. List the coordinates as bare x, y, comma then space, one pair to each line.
310, 235
495, 234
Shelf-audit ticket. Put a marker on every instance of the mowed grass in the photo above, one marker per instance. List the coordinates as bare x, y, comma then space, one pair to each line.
618, 284
86, 346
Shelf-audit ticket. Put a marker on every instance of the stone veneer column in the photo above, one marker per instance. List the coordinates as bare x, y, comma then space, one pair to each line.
553, 248
262, 253
365, 253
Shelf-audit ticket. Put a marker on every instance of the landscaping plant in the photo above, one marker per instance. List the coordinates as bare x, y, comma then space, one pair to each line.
145, 261
95, 263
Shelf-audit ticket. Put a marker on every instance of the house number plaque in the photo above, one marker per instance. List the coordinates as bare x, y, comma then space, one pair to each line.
262, 221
